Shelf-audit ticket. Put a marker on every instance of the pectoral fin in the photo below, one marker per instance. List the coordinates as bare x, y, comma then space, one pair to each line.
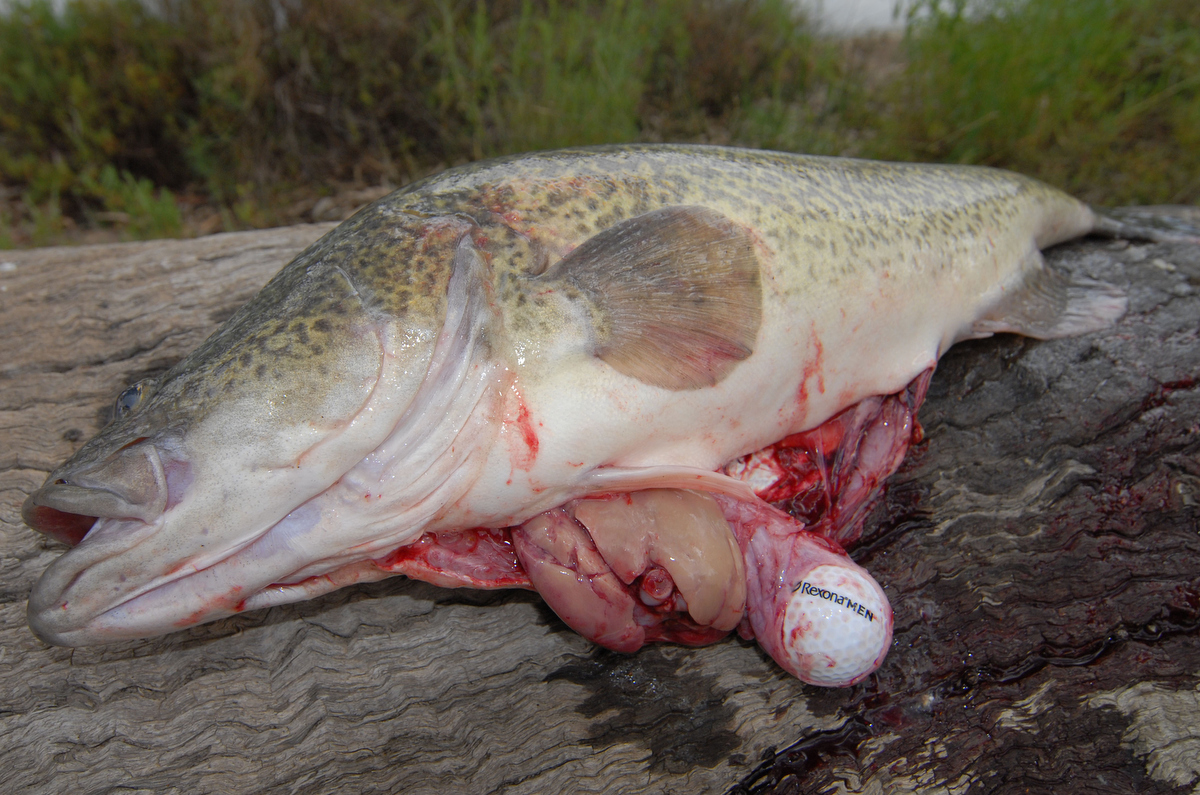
675, 295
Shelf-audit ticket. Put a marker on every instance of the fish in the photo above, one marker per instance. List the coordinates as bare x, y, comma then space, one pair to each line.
574, 371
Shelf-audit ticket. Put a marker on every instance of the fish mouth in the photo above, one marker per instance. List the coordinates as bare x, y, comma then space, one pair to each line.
94, 593
130, 484
67, 527
102, 509
47, 613
125, 579
67, 512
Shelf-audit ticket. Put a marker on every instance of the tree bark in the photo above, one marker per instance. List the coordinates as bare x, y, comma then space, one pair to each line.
1040, 549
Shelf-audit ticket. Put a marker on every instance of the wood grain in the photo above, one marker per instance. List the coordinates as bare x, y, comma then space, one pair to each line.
1041, 549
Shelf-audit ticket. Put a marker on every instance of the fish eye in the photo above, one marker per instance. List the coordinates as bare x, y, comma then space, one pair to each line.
128, 400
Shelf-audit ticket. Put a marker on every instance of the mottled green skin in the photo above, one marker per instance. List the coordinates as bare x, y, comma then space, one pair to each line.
302, 335
393, 260
531, 210
561, 198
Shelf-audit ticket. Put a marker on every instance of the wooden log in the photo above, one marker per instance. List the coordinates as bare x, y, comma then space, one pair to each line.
1040, 548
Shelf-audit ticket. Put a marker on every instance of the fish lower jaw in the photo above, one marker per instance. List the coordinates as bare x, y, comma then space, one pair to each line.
55, 622
310, 587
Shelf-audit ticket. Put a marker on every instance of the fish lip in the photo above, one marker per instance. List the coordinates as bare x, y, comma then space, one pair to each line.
96, 502
100, 490
52, 623
38, 616
60, 616
67, 512
57, 617
47, 613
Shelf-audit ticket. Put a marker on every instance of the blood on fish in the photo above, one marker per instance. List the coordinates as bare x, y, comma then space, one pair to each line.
232, 601
656, 584
439, 231
525, 453
669, 288
829, 477
815, 368
826, 477
476, 558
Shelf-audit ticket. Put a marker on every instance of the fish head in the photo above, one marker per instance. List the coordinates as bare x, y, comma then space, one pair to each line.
169, 510
372, 369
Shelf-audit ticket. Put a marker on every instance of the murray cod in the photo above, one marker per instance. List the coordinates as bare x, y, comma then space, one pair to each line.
536, 372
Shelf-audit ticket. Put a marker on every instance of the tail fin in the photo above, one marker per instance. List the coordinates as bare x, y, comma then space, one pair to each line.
1161, 224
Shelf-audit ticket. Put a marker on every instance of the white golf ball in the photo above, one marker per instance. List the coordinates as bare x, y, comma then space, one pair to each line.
838, 625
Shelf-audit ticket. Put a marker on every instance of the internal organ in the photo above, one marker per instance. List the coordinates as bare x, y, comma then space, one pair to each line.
624, 570
670, 565
828, 478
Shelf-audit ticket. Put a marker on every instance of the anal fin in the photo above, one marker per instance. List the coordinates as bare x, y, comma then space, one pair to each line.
1048, 305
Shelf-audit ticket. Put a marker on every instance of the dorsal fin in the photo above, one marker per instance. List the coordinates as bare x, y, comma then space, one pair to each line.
675, 294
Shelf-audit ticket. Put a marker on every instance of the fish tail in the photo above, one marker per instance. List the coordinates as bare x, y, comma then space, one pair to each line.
1153, 225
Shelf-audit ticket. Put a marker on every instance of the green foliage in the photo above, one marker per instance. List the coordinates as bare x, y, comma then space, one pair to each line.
7, 238
1101, 97
568, 74
222, 95
47, 220
753, 75
303, 91
94, 85
134, 203
240, 99
559, 76
109, 108
87, 96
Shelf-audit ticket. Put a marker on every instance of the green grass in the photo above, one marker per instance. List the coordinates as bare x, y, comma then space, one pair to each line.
7, 234
110, 111
1100, 97
570, 76
135, 204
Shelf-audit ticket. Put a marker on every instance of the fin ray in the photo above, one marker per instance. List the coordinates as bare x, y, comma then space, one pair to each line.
675, 293
1048, 305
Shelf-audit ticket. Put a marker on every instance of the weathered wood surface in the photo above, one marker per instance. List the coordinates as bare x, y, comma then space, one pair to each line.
1041, 550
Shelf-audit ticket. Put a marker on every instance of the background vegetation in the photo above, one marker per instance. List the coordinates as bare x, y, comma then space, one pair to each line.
136, 118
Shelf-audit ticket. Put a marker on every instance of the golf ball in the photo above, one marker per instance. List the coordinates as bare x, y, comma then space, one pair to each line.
837, 625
